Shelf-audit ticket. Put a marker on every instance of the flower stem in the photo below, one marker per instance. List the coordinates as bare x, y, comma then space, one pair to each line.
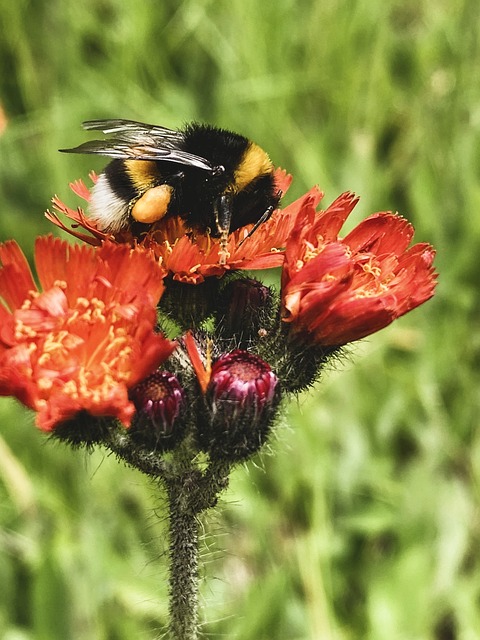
190, 492
183, 561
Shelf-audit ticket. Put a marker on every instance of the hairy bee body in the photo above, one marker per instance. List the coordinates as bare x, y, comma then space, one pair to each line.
215, 180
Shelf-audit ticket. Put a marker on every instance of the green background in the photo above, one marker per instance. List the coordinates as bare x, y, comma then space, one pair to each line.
362, 519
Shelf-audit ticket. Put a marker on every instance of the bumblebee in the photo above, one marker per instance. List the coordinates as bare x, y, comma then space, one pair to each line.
215, 180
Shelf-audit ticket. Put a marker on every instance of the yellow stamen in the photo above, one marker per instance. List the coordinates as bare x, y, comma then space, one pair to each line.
44, 384
23, 331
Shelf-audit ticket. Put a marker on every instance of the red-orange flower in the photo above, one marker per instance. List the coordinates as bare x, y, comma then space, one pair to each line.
86, 335
191, 258
340, 290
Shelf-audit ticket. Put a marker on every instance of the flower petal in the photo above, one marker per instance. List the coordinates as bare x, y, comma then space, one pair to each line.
16, 279
381, 233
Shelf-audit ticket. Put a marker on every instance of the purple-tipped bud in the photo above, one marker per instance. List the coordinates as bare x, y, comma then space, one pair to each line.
245, 309
158, 400
242, 380
242, 397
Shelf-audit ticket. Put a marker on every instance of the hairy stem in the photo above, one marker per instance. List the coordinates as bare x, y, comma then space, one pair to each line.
183, 561
190, 491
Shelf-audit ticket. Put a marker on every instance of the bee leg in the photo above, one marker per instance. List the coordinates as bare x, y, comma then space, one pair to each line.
223, 217
265, 216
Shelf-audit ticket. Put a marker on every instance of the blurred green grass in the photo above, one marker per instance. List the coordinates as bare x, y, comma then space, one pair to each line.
363, 521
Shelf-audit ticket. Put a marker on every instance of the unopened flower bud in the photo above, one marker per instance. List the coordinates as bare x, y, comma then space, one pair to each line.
245, 309
188, 305
158, 400
242, 397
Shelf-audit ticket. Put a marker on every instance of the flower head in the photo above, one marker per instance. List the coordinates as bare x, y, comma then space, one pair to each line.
159, 400
241, 380
246, 309
339, 290
191, 258
241, 396
159, 397
78, 342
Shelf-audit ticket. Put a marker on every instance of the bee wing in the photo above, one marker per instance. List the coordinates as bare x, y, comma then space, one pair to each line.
134, 130
139, 141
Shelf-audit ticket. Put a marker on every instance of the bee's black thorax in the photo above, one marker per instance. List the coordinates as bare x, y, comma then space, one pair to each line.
219, 146
247, 178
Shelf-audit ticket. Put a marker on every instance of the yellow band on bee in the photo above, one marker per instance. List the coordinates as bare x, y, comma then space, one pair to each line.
142, 173
255, 163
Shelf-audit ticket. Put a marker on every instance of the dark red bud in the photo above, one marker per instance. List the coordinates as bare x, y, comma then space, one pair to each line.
159, 399
242, 398
242, 380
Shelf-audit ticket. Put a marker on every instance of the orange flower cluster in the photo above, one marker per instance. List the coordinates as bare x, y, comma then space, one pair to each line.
83, 338
87, 336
